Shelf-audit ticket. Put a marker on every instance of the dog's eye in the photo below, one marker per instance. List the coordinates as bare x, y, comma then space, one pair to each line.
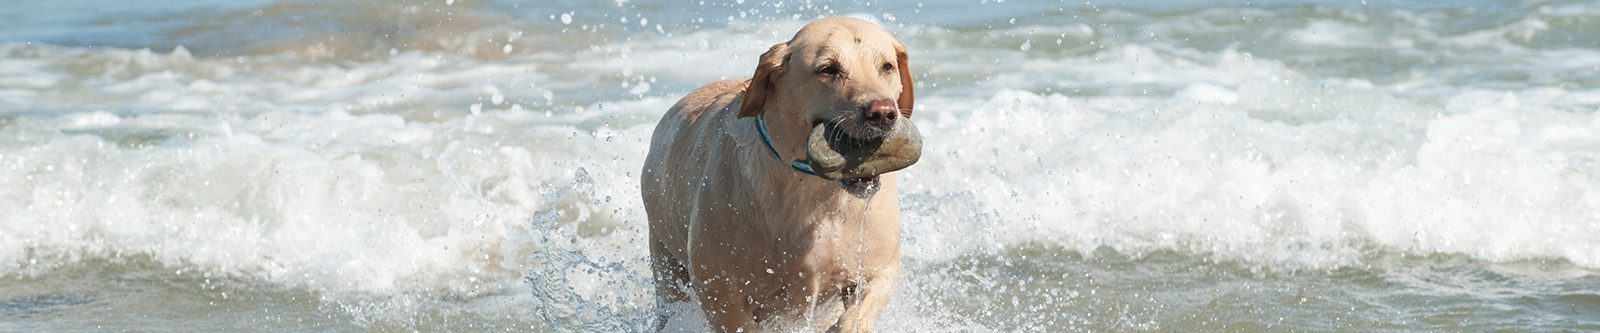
829, 70
888, 67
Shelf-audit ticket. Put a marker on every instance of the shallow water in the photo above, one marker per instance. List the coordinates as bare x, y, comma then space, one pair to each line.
466, 165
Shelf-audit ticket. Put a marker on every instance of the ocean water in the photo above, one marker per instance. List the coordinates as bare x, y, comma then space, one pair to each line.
464, 165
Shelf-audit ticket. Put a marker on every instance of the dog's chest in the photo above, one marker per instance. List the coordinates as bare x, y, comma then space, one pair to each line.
839, 254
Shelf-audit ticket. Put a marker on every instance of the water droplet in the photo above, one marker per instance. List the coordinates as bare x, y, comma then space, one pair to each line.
566, 18
1027, 45
581, 177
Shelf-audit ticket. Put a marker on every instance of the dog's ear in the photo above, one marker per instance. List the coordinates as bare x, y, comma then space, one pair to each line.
761, 85
908, 92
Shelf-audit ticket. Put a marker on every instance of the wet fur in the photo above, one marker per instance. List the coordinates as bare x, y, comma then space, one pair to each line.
762, 246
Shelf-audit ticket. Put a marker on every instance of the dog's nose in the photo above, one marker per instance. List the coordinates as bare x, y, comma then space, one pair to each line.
881, 112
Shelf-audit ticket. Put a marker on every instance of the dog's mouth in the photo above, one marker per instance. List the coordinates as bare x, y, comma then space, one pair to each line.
836, 155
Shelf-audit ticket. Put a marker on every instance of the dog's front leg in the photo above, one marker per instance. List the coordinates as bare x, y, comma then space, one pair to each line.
671, 279
726, 304
865, 302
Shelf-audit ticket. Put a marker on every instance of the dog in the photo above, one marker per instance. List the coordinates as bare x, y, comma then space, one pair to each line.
772, 198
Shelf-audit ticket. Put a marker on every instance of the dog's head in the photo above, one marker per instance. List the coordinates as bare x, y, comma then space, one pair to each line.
844, 81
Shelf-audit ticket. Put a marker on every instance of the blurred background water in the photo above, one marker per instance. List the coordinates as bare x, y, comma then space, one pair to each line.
1098, 166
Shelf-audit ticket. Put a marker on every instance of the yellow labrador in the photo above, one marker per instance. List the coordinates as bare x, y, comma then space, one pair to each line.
770, 196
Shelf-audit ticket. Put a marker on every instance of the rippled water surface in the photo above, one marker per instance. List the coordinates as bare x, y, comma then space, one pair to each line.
1090, 166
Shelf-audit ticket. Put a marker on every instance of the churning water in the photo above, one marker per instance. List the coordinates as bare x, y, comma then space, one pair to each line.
1090, 166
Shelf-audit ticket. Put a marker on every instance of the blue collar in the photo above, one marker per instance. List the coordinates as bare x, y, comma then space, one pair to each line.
798, 165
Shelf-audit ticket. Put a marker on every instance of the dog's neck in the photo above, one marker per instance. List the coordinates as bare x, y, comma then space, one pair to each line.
769, 174
787, 136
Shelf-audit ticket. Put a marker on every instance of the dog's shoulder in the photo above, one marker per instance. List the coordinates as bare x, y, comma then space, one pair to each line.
709, 98
709, 110
703, 122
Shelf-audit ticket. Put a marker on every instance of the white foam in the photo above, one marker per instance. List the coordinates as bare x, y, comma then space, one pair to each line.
305, 187
1487, 180
1332, 33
